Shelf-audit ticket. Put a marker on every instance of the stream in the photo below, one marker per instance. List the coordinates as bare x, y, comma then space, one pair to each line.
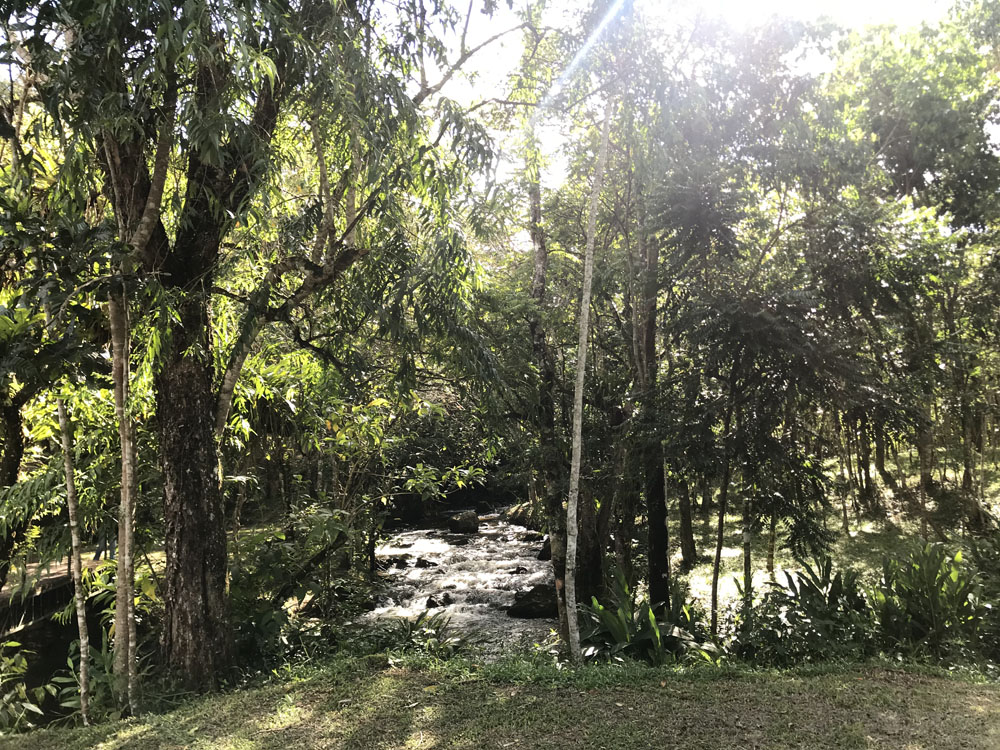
473, 578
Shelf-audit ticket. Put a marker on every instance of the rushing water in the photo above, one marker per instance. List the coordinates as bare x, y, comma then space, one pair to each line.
471, 577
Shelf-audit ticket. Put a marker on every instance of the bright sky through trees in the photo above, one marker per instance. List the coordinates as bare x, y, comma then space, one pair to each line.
493, 66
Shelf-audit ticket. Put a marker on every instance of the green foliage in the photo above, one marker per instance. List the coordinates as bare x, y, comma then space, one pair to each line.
429, 632
19, 705
929, 604
636, 630
818, 614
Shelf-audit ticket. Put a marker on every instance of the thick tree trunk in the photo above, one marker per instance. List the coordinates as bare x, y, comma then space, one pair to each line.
12, 445
590, 556
196, 637
653, 468
656, 511
581, 374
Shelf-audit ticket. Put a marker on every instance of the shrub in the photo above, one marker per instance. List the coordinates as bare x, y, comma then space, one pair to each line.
929, 603
629, 629
19, 704
818, 614
428, 633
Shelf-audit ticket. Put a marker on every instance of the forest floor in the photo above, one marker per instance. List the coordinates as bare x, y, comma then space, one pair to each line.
377, 704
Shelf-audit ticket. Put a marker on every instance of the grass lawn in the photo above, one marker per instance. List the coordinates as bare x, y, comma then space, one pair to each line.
373, 705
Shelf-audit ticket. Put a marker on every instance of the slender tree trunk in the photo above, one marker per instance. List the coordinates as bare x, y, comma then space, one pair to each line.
705, 490
581, 373
124, 582
772, 540
720, 537
656, 533
550, 469
653, 469
865, 464
689, 551
747, 562
76, 565
925, 449
724, 491
880, 456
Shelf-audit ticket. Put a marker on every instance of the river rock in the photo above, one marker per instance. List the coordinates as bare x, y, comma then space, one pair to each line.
466, 522
422, 563
521, 515
538, 601
444, 601
545, 553
396, 561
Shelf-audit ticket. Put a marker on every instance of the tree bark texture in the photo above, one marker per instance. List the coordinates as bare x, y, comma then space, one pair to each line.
124, 649
11, 422
76, 566
196, 636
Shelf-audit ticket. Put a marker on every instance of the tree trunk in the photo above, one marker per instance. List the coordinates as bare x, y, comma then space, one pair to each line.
656, 511
689, 551
706, 492
747, 562
76, 565
196, 639
719, 541
124, 668
772, 540
581, 373
727, 460
551, 462
925, 449
880, 455
12, 445
653, 468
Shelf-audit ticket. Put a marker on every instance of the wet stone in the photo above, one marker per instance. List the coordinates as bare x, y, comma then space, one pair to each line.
545, 553
537, 602
466, 522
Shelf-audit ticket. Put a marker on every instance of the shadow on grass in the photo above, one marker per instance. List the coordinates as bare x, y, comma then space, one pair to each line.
390, 709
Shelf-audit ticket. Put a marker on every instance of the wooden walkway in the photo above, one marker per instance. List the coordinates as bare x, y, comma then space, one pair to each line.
49, 590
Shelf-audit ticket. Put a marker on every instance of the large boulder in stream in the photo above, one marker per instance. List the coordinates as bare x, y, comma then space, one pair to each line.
537, 602
522, 515
466, 522
545, 553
